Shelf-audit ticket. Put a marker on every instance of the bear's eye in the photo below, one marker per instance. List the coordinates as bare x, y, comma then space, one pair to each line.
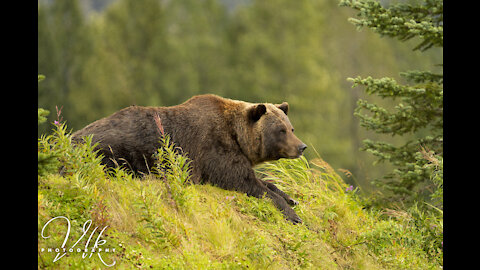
283, 131
293, 129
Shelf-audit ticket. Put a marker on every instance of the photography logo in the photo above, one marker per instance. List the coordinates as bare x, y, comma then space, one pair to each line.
75, 249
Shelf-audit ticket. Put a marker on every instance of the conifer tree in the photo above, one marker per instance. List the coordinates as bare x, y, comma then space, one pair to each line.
418, 114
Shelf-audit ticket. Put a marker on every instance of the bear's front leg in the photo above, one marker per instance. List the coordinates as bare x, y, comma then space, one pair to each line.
281, 204
257, 188
234, 172
275, 189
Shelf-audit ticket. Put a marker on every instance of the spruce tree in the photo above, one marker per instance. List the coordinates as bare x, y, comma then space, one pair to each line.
418, 114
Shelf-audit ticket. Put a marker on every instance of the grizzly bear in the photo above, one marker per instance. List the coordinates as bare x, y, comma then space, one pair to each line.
224, 138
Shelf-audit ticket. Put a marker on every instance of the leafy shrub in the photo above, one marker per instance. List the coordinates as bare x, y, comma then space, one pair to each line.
79, 162
172, 166
47, 160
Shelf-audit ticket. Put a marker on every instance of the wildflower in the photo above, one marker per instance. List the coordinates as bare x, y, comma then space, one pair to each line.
350, 188
230, 197
56, 123
59, 114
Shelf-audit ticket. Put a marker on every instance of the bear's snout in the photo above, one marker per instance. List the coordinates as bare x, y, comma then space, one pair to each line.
302, 148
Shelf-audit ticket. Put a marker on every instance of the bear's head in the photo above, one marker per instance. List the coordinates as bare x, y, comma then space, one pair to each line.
272, 133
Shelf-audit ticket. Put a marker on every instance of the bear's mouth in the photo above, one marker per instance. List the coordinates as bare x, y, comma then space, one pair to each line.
297, 154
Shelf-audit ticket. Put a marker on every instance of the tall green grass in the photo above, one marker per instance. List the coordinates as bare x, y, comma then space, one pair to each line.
161, 221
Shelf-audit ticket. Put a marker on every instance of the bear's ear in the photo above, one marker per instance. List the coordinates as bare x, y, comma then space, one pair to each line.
255, 112
283, 107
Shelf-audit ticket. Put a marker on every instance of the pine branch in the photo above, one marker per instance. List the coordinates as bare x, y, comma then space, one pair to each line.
402, 21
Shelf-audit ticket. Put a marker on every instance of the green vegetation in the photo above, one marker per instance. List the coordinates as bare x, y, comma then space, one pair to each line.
163, 222
47, 160
419, 111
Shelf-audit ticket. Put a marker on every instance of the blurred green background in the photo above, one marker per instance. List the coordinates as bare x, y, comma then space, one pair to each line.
99, 56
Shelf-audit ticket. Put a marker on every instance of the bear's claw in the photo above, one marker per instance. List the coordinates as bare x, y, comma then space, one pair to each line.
296, 220
292, 202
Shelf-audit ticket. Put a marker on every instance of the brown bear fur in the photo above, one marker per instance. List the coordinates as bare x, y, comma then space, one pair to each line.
224, 138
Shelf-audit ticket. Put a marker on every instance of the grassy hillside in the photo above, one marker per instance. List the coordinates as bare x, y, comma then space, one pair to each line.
161, 223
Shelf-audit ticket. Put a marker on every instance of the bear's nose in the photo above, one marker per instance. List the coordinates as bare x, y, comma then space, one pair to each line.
302, 147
